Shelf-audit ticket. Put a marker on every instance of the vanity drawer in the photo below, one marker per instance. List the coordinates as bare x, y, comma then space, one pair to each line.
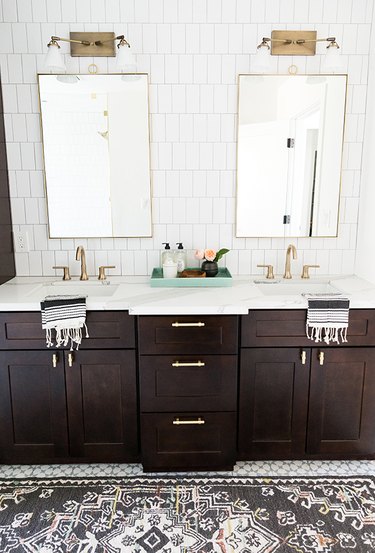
107, 330
183, 334
209, 385
167, 445
287, 327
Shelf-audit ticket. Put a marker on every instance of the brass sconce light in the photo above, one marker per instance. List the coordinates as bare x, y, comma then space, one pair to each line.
91, 45
296, 43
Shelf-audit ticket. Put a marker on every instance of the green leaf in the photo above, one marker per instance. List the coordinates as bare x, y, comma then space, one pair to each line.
220, 254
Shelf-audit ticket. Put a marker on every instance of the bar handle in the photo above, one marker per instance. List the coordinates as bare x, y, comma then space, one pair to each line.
321, 358
189, 421
177, 324
303, 357
70, 359
55, 359
182, 364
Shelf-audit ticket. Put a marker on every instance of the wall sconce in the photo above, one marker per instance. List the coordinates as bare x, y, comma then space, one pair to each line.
296, 43
91, 45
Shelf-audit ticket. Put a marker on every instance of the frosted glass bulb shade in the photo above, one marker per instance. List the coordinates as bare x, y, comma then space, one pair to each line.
262, 60
125, 62
54, 60
333, 61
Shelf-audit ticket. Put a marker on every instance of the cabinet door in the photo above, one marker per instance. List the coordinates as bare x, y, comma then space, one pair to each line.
102, 405
342, 402
273, 402
33, 422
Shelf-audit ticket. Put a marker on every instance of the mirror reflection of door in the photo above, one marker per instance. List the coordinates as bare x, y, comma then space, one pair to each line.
290, 134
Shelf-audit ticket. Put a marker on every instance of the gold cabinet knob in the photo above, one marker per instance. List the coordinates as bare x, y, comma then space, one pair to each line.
269, 271
305, 270
66, 271
102, 268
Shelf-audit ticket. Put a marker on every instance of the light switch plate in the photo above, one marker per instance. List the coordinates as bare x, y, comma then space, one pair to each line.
21, 241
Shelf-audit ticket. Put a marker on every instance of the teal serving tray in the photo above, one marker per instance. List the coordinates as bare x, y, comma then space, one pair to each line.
223, 278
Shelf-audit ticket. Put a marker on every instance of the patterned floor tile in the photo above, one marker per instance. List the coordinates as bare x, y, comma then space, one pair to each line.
242, 468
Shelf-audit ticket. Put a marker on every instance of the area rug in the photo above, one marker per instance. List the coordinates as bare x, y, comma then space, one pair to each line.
186, 515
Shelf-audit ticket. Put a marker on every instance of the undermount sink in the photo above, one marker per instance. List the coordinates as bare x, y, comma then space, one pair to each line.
281, 288
84, 288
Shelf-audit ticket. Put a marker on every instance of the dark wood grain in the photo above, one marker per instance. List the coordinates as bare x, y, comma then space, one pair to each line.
33, 422
273, 401
169, 447
342, 403
286, 327
102, 405
158, 336
167, 388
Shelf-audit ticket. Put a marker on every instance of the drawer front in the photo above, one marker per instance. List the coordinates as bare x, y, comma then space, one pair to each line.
207, 382
286, 327
166, 445
107, 329
182, 334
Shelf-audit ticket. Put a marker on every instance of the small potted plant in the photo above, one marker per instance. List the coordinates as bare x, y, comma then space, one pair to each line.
209, 260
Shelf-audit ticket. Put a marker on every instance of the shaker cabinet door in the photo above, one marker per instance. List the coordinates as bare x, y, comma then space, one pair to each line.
102, 405
33, 424
342, 405
273, 400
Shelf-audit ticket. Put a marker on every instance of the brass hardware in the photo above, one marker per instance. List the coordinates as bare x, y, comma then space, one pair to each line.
188, 324
66, 271
55, 359
321, 358
102, 268
70, 359
291, 249
80, 255
269, 271
305, 270
303, 357
197, 421
293, 43
92, 44
197, 364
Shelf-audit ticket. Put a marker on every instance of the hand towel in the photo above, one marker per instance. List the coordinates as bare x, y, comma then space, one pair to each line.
327, 317
67, 316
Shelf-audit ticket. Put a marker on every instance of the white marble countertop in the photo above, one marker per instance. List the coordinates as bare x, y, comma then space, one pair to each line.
136, 295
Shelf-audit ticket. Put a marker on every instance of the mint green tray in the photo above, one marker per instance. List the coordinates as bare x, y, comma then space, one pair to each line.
223, 278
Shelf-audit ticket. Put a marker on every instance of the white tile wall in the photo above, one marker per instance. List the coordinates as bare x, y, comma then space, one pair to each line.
193, 50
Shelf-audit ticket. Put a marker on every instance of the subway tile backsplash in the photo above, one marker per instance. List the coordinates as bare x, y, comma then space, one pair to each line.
193, 51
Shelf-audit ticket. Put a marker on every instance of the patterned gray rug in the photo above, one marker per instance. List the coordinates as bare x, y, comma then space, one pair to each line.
186, 515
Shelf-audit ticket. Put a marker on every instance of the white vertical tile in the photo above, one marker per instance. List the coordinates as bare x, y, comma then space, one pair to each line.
185, 11
199, 11
10, 11
39, 10
112, 11
54, 11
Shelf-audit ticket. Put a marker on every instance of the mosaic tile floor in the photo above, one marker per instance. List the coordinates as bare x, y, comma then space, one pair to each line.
242, 468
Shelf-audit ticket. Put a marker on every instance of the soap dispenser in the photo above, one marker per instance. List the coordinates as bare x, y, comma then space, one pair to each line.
180, 257
166, 254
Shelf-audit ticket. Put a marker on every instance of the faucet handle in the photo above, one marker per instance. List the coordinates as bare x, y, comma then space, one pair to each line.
305, 270
66, 271
269, 271
102, 268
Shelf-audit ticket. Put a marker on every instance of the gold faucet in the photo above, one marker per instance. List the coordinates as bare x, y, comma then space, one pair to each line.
80, 255
291, 249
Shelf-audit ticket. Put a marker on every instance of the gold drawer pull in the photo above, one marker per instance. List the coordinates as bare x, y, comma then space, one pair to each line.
70, 359
197, 421
176, 324
55, 359
303, 357
321, 358
197, 364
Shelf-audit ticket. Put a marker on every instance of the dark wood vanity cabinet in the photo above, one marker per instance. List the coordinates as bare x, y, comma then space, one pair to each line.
307, 401
188, 392
62, 406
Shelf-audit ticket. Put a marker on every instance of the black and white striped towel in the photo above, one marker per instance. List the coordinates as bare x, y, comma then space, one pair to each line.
327, 317
67, 316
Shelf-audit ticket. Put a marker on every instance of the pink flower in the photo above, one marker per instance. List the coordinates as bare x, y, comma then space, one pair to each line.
199, 254
209, 255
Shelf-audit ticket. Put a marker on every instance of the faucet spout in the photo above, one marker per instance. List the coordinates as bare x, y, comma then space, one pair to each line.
81, 255
290, 250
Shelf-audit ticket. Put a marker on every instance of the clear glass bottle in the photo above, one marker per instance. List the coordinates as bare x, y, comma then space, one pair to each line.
166, 254
179, 256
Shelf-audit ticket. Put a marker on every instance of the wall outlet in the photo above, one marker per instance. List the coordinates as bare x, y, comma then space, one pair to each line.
21, 241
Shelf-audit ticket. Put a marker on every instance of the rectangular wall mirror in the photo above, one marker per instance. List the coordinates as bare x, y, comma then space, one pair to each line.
96, 155
290, 139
